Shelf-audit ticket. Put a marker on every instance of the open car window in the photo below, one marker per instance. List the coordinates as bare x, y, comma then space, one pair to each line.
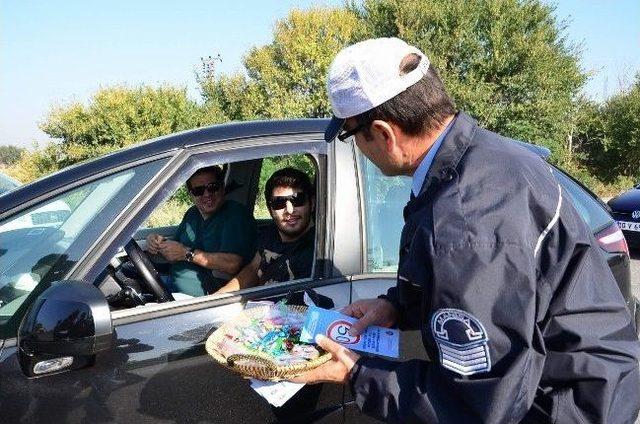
176, 219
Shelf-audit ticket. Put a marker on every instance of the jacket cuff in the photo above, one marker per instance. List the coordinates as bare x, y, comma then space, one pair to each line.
392, 298
355, 373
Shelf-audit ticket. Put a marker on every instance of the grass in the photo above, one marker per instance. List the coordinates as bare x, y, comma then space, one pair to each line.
169, 213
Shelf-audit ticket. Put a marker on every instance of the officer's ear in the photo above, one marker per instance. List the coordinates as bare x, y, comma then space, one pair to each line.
385, 131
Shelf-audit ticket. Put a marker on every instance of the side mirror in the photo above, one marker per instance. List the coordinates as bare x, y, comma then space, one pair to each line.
64, 329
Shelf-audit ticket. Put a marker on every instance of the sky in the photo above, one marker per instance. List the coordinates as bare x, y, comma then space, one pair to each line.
58, 51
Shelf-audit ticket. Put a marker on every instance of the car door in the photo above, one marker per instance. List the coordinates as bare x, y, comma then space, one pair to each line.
157, 369
380, 201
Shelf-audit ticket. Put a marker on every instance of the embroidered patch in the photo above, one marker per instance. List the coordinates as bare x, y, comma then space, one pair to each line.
462, 341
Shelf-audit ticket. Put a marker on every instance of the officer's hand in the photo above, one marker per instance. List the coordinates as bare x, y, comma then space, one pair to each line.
371, 312
173, 251
154, 243
336, 370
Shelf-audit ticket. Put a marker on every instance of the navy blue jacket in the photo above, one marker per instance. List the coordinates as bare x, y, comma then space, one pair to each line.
519, 312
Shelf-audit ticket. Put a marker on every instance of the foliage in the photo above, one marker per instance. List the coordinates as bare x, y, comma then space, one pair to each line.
622, 129
608, 137
120, 116
505, 62
587, 138
10, 154
33, 165
167, 214
286, 78
271, 165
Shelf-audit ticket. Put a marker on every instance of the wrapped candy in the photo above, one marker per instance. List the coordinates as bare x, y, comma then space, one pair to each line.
276, 332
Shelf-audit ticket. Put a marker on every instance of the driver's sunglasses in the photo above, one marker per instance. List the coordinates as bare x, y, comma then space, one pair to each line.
211, 188
280, 202
346, 134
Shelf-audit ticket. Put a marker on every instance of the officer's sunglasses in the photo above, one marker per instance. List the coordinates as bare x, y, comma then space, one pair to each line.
211, 188
280, 202
353, 131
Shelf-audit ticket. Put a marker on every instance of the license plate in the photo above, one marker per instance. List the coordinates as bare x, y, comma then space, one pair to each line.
629, 226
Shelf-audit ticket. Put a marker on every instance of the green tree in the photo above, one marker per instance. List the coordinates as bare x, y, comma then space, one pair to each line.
286, 78
120, 116
607, 137
588, 135
506, 62
10, 154
621, 115
34, 164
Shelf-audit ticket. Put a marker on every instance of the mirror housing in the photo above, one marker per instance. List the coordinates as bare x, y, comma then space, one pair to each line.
64, 328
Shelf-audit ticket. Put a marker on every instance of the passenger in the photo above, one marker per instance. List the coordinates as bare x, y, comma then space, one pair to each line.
285, 248
214, 240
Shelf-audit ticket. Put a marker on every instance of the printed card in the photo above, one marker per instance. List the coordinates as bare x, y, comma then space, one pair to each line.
333, 324
277, 393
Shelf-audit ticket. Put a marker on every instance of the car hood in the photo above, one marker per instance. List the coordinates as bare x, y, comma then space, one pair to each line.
627, 202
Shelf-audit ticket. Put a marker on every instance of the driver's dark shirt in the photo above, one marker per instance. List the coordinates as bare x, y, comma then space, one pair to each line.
297, 265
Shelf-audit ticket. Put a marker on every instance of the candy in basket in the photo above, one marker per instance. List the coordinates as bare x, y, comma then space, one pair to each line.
264, 343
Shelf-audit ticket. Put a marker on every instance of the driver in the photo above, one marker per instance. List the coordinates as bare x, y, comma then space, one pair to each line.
285, 248
214, 240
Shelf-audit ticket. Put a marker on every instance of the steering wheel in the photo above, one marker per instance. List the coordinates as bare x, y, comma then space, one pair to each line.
150, 276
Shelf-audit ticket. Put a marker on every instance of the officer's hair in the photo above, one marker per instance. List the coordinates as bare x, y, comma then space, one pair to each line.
419, 109
215, 170
288, 177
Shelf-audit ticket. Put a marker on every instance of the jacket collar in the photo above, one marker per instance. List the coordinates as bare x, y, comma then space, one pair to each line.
448, 156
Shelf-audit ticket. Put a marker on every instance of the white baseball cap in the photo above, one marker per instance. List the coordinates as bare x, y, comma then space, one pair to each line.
367, 74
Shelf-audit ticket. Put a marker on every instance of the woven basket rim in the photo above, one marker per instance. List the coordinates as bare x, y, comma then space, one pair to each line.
260, 364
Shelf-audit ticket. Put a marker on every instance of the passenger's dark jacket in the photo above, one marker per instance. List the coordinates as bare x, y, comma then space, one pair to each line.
519, 311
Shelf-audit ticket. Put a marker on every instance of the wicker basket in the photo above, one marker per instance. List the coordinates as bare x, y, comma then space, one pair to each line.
259, 365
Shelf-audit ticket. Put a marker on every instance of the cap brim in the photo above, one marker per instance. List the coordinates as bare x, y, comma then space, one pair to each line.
333, 129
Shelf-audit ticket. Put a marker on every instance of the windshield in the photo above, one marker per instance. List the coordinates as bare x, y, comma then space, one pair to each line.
43, 243
7, 183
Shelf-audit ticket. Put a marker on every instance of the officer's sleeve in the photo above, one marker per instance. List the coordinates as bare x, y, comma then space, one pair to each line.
413, 272
488, 284
407, 304
491, 374
590, 336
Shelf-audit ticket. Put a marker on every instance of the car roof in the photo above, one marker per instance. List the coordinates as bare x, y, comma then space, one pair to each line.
161, 145
172, 143
541, 151
7, 183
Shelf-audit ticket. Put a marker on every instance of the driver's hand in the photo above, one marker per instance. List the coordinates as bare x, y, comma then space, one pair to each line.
154, 243
173, 251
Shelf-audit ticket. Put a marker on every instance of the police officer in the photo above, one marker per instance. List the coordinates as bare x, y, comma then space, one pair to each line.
519, 312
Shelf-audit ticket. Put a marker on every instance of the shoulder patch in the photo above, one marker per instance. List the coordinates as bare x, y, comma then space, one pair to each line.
462, 341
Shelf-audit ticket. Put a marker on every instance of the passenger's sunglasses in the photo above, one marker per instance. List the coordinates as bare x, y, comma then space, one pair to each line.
346, 134
280, 202
211, 188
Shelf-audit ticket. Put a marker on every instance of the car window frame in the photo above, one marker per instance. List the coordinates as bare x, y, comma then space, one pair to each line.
592, 195
358, 158
182, 166
10, 328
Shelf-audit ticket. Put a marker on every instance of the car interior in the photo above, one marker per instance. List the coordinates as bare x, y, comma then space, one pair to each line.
131, 278
134, 278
